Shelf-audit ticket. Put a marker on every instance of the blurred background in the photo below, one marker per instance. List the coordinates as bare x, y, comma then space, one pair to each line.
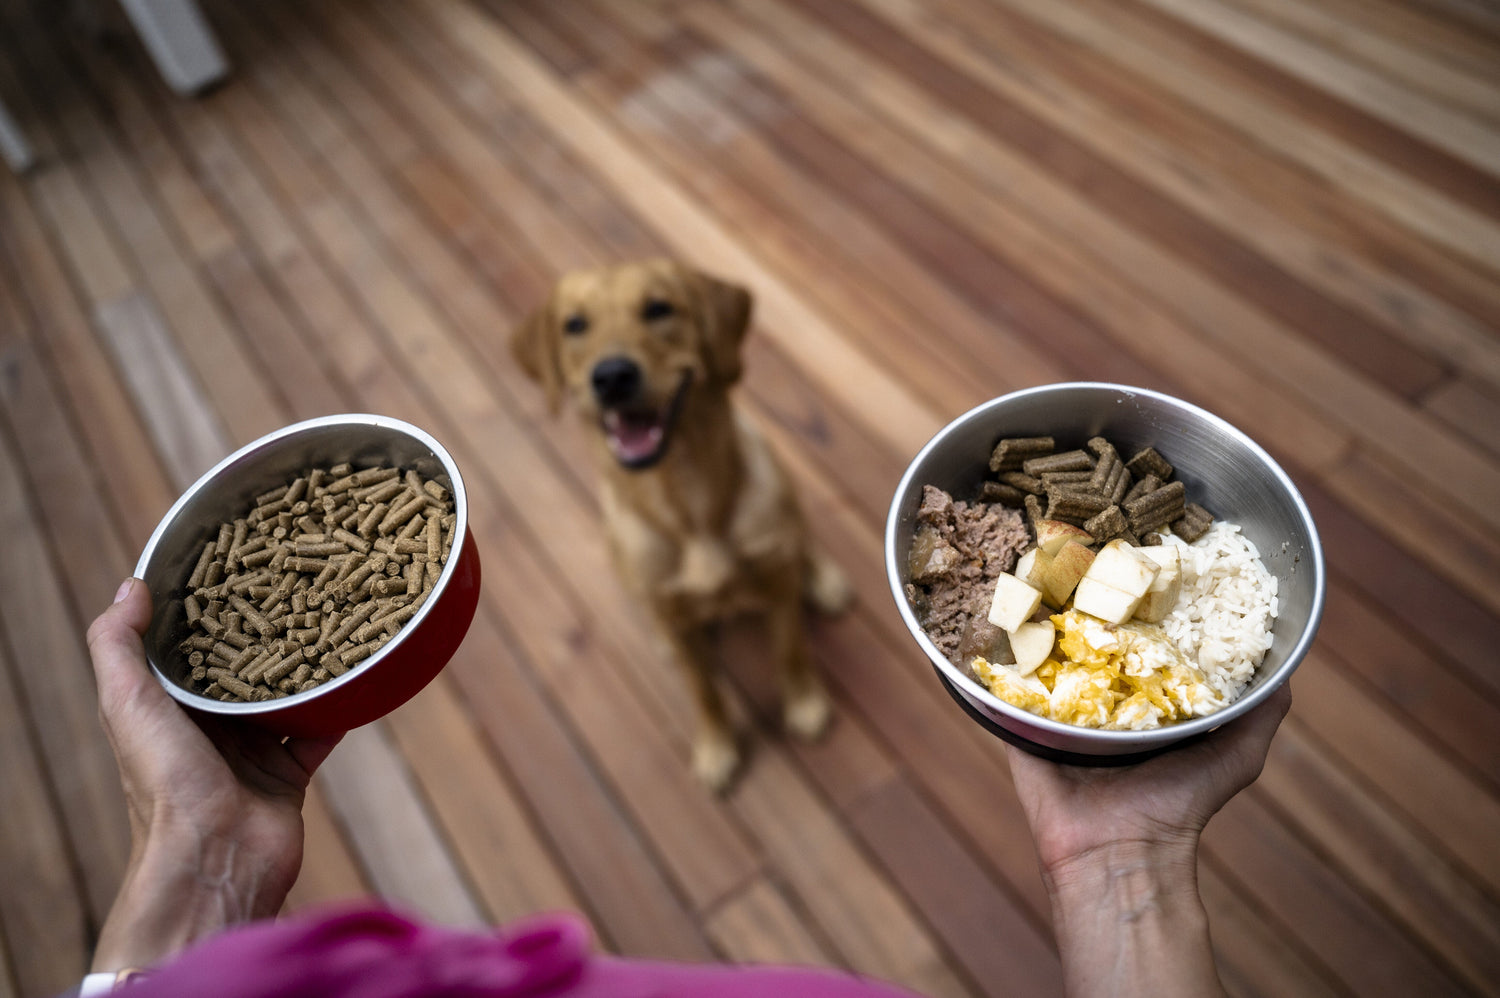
221, 220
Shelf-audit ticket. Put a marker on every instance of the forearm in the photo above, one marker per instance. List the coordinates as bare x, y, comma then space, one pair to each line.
1129, 921
182, 886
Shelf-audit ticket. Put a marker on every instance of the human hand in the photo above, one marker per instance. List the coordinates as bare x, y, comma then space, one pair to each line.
215, 806
1119, 854
1163, 803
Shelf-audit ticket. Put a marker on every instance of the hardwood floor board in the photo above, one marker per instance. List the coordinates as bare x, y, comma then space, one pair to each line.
400, 844
1433, 122
1436, 78
1165, 220
1417, 294
1389, 174
1360, 944
1437, 901
55, 685
117, 442
47, 931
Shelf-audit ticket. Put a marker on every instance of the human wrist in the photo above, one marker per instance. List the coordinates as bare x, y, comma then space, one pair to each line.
182, 885
1129, 920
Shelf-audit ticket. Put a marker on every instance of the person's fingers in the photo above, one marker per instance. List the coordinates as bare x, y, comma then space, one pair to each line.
114, 640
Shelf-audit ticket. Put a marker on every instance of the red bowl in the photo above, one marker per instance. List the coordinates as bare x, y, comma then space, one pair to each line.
385, 680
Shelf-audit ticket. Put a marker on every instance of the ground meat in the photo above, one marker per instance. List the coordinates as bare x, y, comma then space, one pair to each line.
959, 551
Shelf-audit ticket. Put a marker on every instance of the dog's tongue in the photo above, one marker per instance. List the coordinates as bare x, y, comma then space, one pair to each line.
633, 437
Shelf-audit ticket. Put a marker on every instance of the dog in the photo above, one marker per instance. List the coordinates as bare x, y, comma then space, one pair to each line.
701, 518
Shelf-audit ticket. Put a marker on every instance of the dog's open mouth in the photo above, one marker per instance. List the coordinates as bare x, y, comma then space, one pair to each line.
638, 437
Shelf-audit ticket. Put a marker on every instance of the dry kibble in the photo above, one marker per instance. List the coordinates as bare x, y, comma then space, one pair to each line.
317, 576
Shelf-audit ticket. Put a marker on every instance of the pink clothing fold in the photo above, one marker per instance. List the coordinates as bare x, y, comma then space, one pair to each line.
375, 952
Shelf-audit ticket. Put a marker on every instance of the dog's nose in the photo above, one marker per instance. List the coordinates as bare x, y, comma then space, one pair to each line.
616, 380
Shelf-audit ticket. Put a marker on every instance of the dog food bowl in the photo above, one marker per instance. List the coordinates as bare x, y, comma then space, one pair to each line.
1224, 471
394, 673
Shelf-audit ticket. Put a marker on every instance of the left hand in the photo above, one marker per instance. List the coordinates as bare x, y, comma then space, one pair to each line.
215, 806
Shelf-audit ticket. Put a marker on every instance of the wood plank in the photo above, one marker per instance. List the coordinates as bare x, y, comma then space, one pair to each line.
865, 919
368, 785
175, 405
1382, 654
203, 334
1438, 902
481, 812
759, 924
1358, 942
136, 492
1396, 418
1410, 292
1437, 79
1376, 165
1434, 795
955, 895
45, 925
56, 682
1434, 122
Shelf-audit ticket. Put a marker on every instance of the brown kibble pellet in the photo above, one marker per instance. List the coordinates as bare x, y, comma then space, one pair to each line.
989, 492
1073, 460
1148, 462
1155, 510
1012, 453
1194, 522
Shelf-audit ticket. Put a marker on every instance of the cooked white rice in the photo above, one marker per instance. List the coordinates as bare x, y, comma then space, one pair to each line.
1222, 620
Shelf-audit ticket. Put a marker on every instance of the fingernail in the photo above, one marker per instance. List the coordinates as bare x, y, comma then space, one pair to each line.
124, 589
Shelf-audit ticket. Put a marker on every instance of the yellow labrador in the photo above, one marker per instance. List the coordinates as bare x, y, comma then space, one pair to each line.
701, 518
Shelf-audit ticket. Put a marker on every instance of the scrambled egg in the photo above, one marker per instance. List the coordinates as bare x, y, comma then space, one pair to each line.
1126, 677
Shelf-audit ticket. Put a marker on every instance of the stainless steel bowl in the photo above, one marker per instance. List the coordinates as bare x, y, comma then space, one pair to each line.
1224, 471
390, 676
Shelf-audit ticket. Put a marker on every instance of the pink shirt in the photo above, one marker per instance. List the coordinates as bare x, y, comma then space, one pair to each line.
373, 952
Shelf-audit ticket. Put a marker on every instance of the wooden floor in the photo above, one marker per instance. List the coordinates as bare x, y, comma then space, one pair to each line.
1285, 210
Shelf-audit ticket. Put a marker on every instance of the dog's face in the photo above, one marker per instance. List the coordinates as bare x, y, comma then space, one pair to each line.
629, 344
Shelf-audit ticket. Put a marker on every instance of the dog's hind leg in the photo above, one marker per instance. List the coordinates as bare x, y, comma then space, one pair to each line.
827, 588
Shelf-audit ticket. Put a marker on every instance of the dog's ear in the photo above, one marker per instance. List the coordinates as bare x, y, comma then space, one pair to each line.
725, 312
534, 345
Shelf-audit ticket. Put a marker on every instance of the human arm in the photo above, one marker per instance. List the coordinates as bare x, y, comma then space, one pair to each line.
1119, 855
215, 807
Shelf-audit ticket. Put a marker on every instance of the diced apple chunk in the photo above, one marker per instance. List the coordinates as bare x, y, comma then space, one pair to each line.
1122, 566
1031, 568
1031, 643
1165, 588
1069, 565
1053, 534
1015, 602
1104, 601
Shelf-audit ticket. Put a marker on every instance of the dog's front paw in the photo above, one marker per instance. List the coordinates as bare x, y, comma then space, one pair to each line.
715, 761
806, 715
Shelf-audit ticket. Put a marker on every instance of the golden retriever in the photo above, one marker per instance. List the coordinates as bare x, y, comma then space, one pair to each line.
701, 518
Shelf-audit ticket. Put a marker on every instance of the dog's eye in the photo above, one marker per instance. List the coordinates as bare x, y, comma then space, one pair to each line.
576, 324
656, 308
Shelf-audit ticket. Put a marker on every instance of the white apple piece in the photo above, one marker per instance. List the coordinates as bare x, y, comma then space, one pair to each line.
1166, 587
1032, 567
1068, 566
1015, 602
1031, 643
1053, 534
1115, 583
